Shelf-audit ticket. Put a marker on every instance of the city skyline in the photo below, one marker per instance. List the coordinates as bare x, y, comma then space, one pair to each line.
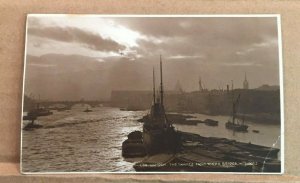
89, 56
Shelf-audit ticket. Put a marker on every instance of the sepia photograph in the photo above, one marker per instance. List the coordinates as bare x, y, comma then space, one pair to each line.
152, 94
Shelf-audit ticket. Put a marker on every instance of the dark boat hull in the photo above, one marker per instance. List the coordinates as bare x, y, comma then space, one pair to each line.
132, 149
156, 141
211, 122
133, 146
39, 112
236, 127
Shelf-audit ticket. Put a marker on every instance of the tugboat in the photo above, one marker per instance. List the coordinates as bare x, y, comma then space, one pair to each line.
159, 135
233, 125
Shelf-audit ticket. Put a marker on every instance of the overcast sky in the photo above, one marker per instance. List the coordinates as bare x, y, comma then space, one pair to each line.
216, 49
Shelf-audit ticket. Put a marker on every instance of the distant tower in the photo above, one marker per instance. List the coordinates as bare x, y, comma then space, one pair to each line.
178, 88
200, 85
245, 84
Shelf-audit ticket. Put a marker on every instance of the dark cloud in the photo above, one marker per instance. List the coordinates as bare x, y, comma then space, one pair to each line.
212, 40
72, 34
217, 49
236, 29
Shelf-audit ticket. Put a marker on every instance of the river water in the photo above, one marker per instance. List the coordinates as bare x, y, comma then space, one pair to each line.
76, 141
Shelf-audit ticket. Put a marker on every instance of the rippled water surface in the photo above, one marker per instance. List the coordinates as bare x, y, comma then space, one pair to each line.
77, 141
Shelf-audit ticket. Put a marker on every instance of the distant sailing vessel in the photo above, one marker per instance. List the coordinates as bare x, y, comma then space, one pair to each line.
166, 149
33, 114
159, 134
234, 124
36, 112
87, 110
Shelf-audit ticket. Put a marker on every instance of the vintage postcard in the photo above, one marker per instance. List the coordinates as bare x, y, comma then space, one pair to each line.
152, 94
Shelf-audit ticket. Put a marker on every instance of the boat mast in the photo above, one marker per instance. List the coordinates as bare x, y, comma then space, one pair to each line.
233, 104
153, 86
162, 94
161, 85
243, 119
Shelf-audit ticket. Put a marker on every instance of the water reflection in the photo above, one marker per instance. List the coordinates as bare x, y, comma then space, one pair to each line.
78, 141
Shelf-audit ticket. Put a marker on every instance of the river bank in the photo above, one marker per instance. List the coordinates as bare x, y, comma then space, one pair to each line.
190, 119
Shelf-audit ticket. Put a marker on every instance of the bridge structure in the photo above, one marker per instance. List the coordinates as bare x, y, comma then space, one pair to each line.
69, 104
